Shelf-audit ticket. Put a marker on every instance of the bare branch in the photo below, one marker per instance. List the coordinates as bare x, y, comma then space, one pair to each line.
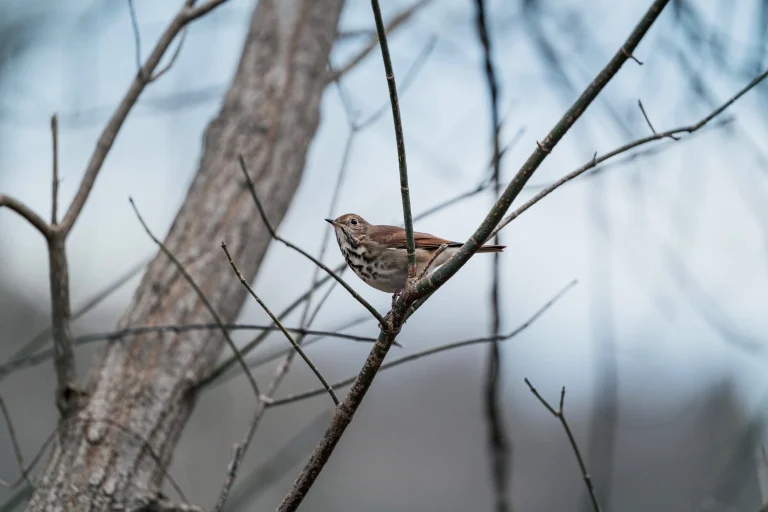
203, 299
301, 251
296, 346
226, 365
36, 358
174, 56
109, 133
596, 160
26, 355
15, 444
560, 415
437, 253
27, 213
136, 35
55, 188
435, 350
396, 22
405, 194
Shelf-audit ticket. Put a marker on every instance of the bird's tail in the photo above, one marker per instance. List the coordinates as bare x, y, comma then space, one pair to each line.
492, 248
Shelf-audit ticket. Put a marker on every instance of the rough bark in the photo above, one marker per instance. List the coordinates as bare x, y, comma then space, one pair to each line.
139, 389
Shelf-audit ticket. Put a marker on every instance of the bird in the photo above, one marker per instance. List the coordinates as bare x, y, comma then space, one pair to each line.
378, 254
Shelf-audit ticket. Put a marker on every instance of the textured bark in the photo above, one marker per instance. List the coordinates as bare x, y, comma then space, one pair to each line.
139, 390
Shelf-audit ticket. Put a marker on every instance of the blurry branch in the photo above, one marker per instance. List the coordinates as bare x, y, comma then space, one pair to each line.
296, 346
27, 361
136, 35
202, 298
185, 15
396, 22
626, 147
418, 291
499, 446
301, 251
560, 415
408, 78
435, 350
27, 355
15, 444
279, 463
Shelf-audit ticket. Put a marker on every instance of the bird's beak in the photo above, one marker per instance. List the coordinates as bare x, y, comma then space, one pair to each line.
330, 221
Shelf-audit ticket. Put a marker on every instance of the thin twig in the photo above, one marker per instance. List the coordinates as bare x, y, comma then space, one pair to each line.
405, 195
596, 160
296, 346
429, 284
174, 56
203, 299
55, 187
499, 448
560, 415
248, 347
14, 443
435, 350
647, 120
136, 35
301, 251
396, 22
437, 253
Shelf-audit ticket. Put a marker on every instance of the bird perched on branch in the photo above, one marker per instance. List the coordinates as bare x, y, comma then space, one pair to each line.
379, 256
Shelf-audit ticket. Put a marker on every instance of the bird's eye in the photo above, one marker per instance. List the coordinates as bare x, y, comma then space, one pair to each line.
353, 222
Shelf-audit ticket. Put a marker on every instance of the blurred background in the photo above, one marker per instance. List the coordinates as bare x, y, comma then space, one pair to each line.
660, 346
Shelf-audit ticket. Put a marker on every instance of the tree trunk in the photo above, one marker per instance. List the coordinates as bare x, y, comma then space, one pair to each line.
112, 454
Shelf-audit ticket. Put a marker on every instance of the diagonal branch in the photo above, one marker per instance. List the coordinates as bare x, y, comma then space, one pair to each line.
296, 346
301, 251
108, 135
396, 22
435, 350
560, 415
596, 160
203, 299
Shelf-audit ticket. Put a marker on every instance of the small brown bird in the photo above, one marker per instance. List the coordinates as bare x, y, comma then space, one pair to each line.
378, 254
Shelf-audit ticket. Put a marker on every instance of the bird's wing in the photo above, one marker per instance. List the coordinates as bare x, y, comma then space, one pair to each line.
394, 238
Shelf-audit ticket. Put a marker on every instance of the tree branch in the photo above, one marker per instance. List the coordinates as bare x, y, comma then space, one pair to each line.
404, 192
435, 350
296, 346
301, 251
596, 160
396, 22
108, 135
560, 415
203, 299
27, 213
